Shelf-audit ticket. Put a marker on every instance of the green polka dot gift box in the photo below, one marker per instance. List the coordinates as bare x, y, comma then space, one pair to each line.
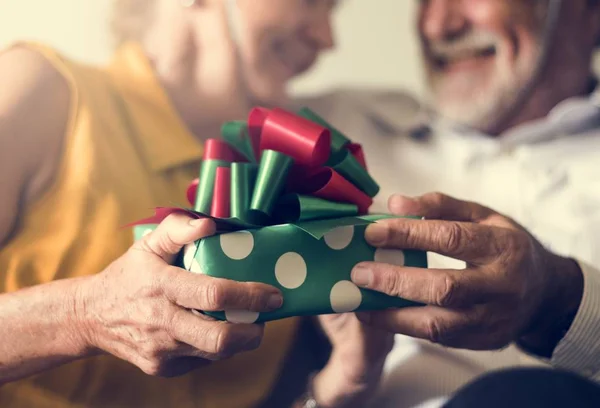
290, 196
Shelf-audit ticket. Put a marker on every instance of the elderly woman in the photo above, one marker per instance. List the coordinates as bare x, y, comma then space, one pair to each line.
83, 151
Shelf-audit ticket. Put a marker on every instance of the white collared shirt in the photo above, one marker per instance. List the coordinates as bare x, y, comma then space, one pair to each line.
544, 174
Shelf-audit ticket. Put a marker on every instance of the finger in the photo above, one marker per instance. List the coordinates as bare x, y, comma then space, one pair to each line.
176, 231
439, 287
202, 292
214, 340
431, 323
465, 241
438, 206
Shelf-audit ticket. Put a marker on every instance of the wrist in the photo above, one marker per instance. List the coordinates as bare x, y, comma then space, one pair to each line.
557, 310
82, 318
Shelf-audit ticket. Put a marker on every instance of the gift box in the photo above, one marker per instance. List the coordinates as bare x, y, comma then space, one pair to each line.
290, 196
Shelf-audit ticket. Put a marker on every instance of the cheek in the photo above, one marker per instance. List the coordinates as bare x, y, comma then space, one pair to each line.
517, 23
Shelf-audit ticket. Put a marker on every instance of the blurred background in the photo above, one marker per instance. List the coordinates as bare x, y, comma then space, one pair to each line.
376, 46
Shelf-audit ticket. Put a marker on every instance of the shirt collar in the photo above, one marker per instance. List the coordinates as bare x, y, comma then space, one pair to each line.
162, 136
574, 115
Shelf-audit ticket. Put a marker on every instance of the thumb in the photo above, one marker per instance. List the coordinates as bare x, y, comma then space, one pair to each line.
176, 231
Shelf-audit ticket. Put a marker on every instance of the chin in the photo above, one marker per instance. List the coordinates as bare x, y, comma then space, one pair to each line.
478, 107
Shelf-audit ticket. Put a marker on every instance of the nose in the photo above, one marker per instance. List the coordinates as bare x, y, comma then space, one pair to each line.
442, 19
321, 32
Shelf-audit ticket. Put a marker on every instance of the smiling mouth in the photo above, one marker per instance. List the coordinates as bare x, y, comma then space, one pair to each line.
444, 62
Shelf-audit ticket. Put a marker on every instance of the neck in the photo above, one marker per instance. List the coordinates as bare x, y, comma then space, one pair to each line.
203, 94
544, 98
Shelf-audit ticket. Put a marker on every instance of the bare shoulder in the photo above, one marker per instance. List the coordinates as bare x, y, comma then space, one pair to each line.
34, 111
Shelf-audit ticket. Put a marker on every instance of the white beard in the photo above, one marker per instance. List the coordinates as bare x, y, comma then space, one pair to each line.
479, 98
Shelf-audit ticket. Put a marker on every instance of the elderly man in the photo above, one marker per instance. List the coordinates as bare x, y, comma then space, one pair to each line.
516, 128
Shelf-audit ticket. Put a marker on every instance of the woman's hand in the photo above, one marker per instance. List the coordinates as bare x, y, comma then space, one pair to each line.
354, 369
138, 309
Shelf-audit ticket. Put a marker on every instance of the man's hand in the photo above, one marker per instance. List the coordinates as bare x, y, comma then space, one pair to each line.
512, 289
354, 369
138, 309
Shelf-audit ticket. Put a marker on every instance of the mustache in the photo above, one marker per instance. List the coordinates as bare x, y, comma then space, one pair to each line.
466, 43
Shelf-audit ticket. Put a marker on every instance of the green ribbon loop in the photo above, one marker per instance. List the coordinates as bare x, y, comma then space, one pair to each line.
338, 140
257, 185
206, 184
271, 180
243, 177
235, 133
295, 208
346, 164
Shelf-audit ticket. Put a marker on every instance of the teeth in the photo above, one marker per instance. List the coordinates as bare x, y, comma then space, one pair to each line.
446, 58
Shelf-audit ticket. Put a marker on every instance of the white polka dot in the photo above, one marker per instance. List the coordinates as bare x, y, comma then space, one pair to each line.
290, 270
189, 252
147, 232
339, 238
345, 297
237, 245
389, 256
189, 261
241, 316
196, 267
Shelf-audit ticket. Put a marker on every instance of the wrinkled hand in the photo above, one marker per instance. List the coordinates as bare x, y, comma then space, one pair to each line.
138, 309
354, 369
512, 288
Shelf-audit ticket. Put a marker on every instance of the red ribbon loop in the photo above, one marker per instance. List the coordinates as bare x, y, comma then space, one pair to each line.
215, 149
326, 183
306, 142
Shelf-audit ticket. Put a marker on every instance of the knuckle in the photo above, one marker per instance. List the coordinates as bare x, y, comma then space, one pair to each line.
388, 281
436, 198
154, 368
224, 343
395, 232
214, 296
453, 235
516, 247
445, 292
257, 300
434, 330
152, 352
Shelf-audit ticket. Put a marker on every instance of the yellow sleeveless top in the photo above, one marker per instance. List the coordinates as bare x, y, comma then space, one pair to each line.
126, 151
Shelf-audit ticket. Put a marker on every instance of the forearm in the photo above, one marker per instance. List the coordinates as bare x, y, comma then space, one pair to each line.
39, 329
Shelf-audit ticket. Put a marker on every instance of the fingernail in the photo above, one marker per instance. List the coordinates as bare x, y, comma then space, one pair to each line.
376, 234
195, 222
361, 276
275, 302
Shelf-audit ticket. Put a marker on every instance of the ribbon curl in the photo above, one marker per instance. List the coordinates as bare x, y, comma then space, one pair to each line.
279, 167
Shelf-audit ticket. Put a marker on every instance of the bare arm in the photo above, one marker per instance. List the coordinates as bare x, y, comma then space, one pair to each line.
34, 105
34, 109
137, 309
